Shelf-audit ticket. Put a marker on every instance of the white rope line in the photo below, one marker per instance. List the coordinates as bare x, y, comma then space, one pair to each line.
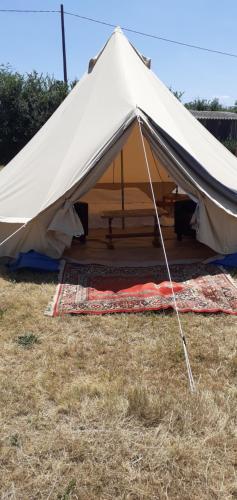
190, 375
13, 234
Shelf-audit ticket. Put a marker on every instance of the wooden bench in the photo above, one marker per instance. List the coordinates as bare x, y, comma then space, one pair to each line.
124, 214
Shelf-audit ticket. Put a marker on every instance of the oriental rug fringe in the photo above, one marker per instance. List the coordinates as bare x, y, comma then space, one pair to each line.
99, 289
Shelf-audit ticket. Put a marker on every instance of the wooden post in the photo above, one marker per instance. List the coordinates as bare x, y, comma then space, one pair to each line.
122, 186
63, 44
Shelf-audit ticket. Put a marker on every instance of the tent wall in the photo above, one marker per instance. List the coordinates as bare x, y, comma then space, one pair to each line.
216, 228
161, 189
133, 161
134, 173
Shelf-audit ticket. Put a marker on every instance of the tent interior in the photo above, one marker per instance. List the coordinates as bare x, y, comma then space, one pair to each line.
125, 186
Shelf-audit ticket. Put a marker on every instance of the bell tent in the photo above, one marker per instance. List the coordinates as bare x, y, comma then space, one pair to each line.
119, 105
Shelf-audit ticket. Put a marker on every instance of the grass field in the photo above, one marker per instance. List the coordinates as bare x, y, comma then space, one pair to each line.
99, 407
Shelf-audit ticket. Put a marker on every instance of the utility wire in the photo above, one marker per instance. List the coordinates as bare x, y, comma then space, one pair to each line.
130, 30
149, 35
27, 11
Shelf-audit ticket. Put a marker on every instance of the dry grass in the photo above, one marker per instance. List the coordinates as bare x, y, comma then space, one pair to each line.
99, 407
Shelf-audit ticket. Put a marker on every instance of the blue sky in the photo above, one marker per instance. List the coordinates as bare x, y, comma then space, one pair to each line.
33, 41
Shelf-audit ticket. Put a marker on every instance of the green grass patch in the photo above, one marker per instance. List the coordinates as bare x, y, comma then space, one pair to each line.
27, 340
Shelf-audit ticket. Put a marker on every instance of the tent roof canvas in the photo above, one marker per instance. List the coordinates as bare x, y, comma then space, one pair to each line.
118, 89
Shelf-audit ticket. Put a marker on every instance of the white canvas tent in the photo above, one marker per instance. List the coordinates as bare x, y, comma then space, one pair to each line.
77, 145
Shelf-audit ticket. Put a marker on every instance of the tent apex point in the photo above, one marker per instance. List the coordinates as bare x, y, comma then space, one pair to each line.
118, 30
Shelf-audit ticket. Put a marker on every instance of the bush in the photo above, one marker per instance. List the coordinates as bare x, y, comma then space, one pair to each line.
26, 103
231, 144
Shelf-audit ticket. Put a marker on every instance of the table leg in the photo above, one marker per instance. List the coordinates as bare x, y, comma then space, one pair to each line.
110, 244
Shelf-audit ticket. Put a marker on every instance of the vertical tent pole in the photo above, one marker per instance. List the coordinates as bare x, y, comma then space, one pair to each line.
122, 185
113, 170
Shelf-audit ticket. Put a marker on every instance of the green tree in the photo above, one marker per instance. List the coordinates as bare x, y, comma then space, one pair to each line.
26, 103
205, 105
233, 108
177, 93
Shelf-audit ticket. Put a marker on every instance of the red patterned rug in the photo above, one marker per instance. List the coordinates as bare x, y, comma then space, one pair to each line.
99, 289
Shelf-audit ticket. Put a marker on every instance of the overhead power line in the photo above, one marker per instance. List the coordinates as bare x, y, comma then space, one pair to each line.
27, 11
130, 30
149, 35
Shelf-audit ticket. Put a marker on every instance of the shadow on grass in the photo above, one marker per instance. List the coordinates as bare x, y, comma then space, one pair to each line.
28, 276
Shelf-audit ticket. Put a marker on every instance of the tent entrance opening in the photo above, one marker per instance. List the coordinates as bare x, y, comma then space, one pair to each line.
121, 213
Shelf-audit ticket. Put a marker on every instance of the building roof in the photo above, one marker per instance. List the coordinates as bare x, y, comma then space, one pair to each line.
214, 115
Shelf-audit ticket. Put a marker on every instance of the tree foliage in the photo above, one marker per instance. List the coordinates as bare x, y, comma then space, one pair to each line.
210, 105
177, 93
26, 103
199, 104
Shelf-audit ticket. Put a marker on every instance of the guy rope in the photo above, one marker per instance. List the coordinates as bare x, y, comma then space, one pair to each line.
183, 339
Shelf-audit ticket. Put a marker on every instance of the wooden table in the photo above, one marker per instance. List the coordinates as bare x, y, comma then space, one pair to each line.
123, 214
168, 202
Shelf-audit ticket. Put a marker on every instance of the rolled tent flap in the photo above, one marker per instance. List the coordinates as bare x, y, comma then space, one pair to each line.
67, 221
36, 235
185, 168
216, 219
